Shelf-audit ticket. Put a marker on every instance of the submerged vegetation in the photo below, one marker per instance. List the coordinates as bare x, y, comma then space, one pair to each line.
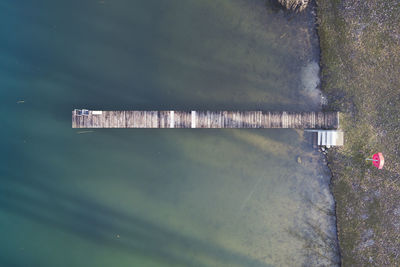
360, 59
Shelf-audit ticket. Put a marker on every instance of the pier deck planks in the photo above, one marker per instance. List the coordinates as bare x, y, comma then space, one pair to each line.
206, 119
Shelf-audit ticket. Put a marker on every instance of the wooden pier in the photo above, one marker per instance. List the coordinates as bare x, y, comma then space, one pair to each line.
204, 119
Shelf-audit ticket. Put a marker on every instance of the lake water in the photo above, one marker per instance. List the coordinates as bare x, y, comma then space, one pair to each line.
136, 197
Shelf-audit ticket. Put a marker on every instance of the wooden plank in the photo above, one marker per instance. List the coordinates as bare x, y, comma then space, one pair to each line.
206, 119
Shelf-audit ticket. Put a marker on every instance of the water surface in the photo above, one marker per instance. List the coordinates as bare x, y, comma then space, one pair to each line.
157, 197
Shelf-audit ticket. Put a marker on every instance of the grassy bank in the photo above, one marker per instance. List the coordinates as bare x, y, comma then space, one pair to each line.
360, 58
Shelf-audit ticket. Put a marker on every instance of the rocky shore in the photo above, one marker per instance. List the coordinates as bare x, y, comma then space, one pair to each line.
360, 60
296, 5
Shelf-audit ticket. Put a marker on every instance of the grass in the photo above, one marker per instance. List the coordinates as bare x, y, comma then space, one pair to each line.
360, 58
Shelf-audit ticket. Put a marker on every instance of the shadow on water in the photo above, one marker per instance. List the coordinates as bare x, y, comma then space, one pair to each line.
95, 222
319, 247
319, 242
276, 7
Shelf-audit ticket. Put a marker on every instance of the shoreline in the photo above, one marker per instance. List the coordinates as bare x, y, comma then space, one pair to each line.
314, 6
359, 54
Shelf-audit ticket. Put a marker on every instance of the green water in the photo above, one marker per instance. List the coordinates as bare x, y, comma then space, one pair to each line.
168, 197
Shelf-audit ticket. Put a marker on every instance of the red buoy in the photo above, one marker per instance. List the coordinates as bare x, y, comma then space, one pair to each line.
378, 160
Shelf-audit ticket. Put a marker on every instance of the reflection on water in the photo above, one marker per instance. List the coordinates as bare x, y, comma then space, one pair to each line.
157, 197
